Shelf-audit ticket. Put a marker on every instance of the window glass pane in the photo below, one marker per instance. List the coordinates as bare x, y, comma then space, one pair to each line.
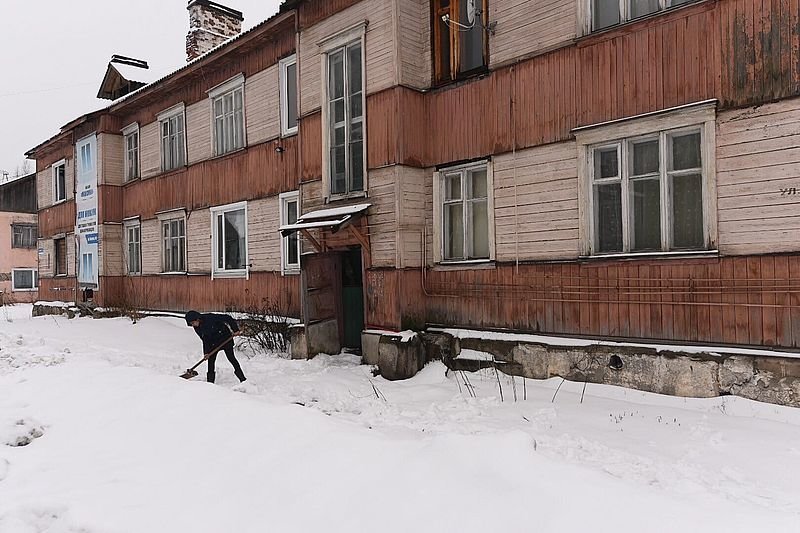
646, 206
686, 151
478, 184
608, 217
220, 243
471, 39
687, 211
356, 106
336, 75
452, 187
480, 230
338, 170
354, 68
357, 131
645, 157
234, 236
23, 279
357, 166
337, 112
454, 231
639, 8
606, 163
291, 95
679, 2
605, 13
292, 252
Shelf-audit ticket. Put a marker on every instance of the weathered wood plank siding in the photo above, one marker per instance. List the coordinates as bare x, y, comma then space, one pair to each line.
264, 240
47, 259
758, 163
411, 184
379, 50
150, 150
44, 188
414, 43
198, 241
198, 132
151, 246
111, 250
536, 203
59, 218
525, 27
111, 163
262, 106
382, 217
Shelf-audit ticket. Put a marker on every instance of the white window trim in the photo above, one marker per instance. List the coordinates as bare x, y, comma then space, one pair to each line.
177, 109
54, 167
165, 216
126, 224
700, 116
586, 15
284, 65
284, 198
127, 130
438, 214
236, 82
223, 273
34, 274
347, 36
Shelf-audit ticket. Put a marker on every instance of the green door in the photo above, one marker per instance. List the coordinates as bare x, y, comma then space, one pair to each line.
352, 299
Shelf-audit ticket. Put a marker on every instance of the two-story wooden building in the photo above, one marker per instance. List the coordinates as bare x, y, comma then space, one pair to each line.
581, 167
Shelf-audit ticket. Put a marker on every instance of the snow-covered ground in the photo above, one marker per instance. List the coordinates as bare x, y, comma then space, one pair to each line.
117, 443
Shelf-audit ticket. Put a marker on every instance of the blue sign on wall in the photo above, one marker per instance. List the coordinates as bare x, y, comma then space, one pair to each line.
92, 238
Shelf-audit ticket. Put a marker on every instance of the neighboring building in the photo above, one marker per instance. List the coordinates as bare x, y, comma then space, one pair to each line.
19, 279
570, 167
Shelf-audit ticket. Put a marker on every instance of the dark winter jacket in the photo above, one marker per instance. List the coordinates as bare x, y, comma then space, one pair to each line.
214, 329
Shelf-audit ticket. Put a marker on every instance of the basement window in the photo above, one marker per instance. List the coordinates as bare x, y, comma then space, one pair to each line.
607, 13
460, 43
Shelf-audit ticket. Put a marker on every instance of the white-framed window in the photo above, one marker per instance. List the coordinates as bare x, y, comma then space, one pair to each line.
647, 193
607, 13
227, 109
229, 239
288, 90
464, 212
173, 138
59, 181
24, 235
290, 246
343, 113
173, 239
24, 279
133, 248
131, 142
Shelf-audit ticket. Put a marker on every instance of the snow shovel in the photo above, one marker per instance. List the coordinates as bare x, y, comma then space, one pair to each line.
191, 372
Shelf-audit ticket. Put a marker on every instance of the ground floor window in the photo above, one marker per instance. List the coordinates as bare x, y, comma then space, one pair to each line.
290, 246
229, 230
24, 279
464, 222
133, 245
60, 247
647, 193
173, 232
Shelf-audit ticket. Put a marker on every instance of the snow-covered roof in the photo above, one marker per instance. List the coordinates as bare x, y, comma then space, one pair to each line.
333, 218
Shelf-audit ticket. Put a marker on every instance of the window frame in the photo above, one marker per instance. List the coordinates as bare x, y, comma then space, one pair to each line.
439, 212
34, 234
217, 272
128, 225
177, 111
624, 7
696, 116
127, 131
228, 88
179, 215
54, 172
34, 276
329, 46
436, 12
285, 63
56, 272
285, 199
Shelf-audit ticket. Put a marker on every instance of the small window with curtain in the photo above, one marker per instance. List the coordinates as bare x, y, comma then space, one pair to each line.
228, 111
24, 279
23, 235
460, 38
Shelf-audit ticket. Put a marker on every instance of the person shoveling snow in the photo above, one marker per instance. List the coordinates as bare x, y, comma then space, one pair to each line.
217, 332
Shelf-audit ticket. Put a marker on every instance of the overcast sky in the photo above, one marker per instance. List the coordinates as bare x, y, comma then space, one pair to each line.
53, 55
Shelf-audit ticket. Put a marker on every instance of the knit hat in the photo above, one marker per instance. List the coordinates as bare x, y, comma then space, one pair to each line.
191, 316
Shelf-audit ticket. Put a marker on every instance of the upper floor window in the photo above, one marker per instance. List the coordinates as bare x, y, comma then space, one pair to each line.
607, 13
460, 43
60, 181
290, 245
23, 235
345, 115
288, 80
173, 232
227, 104
131, 137
24, 279
464, 218
133, 245
173, 139
229, 232
647, 193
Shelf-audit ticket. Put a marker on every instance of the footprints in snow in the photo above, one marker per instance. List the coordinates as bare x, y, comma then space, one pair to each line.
22, 433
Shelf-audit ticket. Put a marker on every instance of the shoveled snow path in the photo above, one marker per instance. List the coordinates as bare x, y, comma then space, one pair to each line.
137, 449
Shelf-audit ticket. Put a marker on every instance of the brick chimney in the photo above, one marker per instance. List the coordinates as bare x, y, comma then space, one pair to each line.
210, 24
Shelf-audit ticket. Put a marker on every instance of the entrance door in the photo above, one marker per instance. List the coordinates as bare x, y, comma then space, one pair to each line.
352, 299
321, 283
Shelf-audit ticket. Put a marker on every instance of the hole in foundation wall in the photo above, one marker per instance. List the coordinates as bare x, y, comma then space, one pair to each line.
615, 362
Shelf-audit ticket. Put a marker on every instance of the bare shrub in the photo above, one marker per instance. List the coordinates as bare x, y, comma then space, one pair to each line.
134, 300
265, 328
7, 298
